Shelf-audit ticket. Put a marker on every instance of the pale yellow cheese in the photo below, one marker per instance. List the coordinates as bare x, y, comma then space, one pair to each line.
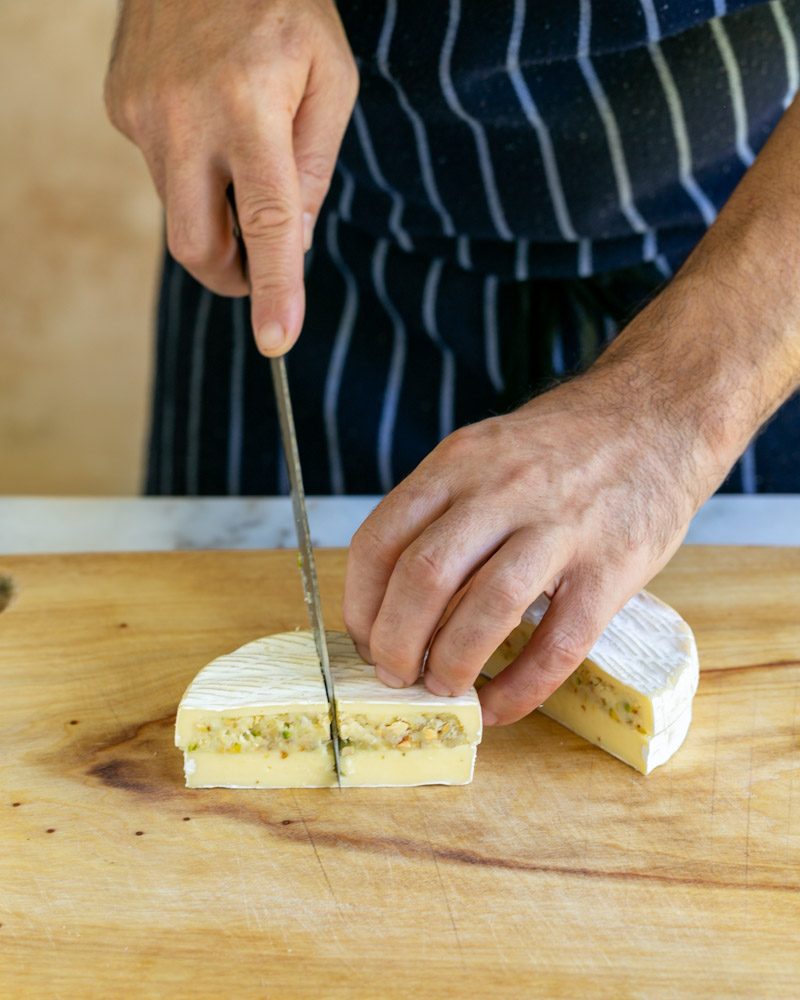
267, 769
387, 768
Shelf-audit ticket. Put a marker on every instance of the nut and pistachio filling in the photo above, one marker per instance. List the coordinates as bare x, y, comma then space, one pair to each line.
593, 690
261, 733
410, 732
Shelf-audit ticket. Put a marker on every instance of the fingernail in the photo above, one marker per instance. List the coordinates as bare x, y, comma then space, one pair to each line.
435, 686
389, 679
308, 230
271, 336
489, 718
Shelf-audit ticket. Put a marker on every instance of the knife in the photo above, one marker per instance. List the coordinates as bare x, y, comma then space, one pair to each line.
308, 565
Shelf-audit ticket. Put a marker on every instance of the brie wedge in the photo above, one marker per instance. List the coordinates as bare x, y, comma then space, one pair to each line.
632, 695
258, 718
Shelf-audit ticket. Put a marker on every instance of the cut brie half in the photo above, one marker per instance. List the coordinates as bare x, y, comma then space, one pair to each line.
258, 718
632, 695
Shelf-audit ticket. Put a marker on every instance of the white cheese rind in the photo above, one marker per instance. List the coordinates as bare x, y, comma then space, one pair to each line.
357, 687
664, 744
276, 672
648, 647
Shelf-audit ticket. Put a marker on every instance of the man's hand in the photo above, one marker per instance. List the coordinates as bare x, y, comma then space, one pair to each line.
583, 493
255, 93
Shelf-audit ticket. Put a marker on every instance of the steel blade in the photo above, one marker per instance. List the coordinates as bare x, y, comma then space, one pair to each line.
308, 565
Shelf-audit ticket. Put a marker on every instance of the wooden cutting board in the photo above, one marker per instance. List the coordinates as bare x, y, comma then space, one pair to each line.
559, 872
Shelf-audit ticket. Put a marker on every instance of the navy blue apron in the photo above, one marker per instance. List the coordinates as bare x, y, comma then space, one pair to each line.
516, 182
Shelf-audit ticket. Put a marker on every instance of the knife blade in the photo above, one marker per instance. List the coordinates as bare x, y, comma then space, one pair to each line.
308, 565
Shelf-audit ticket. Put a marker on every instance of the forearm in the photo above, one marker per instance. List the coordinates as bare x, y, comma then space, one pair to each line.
720, 347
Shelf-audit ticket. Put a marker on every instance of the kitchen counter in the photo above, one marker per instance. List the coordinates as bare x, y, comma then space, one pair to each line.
77, 524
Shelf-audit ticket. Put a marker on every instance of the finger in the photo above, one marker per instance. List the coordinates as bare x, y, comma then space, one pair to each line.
425, 578
581, 608
377, 545
492, 607
319, 126
270, 219
200, 228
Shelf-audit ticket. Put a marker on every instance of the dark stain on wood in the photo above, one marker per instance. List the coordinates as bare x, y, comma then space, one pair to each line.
126, 775
721, 671
137, 758
387, 845
137, 732
6, 591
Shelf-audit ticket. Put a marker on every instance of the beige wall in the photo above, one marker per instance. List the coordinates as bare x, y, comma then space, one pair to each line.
79, 235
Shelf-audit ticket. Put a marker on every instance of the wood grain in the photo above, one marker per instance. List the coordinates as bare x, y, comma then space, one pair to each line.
558, 873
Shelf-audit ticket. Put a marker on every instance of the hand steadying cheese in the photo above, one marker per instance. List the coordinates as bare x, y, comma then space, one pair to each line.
585, 492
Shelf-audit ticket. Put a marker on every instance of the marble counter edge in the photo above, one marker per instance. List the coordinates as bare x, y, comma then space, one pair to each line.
115, 524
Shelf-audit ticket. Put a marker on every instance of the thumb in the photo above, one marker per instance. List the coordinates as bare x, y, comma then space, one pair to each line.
270, 221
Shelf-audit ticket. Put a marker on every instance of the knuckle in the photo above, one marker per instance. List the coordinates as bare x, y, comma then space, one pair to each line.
169, 109
458, 445
424, 569
461, 436
348, 77
266, 214
274, 287
361, 545
237, 95
124, 111
315, 167
520, 696
109, 98
186, 248
294, 39
451, 663
506, 594
565, 649
390, 655
367, 545
355, 624
404, 662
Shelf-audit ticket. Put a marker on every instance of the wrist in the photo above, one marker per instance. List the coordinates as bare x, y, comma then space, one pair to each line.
713, 356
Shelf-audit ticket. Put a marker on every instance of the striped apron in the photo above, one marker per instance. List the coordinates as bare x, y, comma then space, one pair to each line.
516, 182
